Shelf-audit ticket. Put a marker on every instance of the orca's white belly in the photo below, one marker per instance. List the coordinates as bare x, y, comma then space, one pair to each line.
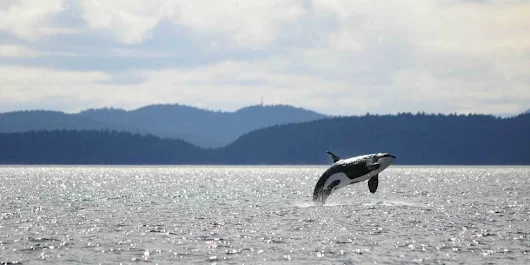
344, 180
363, 178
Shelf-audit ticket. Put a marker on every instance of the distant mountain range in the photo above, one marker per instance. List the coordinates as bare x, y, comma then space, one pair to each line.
200, 127
415, 139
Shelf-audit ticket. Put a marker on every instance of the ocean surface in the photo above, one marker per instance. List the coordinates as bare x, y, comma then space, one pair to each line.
262, 215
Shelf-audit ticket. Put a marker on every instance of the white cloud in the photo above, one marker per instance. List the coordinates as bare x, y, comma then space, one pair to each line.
476, 29
443, 25
344, 41
17, 51
129, 20
29, 19
230, 85
23, 85
227, 85
340, 57
420, 90
251, 24
21, 51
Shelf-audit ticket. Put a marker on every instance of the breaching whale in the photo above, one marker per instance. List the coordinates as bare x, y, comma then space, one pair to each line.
344, 172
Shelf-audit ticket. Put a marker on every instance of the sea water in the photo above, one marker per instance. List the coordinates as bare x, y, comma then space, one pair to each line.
262, 215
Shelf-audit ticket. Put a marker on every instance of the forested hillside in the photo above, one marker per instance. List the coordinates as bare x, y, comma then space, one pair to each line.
414, 139
94, 147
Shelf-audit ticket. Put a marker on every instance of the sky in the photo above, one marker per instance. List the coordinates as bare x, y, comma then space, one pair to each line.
337, 57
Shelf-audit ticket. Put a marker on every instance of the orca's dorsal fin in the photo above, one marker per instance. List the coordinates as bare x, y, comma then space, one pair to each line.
333, 156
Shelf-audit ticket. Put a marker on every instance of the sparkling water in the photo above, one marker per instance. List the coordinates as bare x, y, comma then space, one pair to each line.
262, 215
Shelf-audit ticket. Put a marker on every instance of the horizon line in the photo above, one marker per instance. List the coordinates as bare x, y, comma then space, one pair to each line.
262, 105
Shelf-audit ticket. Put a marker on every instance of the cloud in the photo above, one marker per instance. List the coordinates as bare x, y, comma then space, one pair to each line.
439, 93
129, 20
29, 19
340, 57
207, 86
17, 51
217, 87
23, 85
24, 52
125, 78
344, 41
251, 24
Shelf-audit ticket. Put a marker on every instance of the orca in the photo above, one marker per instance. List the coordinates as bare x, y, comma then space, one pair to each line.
344, 172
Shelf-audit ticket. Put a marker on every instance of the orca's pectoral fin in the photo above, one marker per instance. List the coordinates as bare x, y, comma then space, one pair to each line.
372, 183
334, 157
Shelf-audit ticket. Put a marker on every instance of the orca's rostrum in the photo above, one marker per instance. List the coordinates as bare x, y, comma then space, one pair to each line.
344, 172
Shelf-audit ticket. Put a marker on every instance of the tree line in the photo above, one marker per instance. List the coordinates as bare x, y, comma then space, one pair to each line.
414, 138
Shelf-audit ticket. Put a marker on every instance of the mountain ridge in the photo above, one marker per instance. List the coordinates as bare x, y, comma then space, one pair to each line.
414, 138
202, 127
30, 120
